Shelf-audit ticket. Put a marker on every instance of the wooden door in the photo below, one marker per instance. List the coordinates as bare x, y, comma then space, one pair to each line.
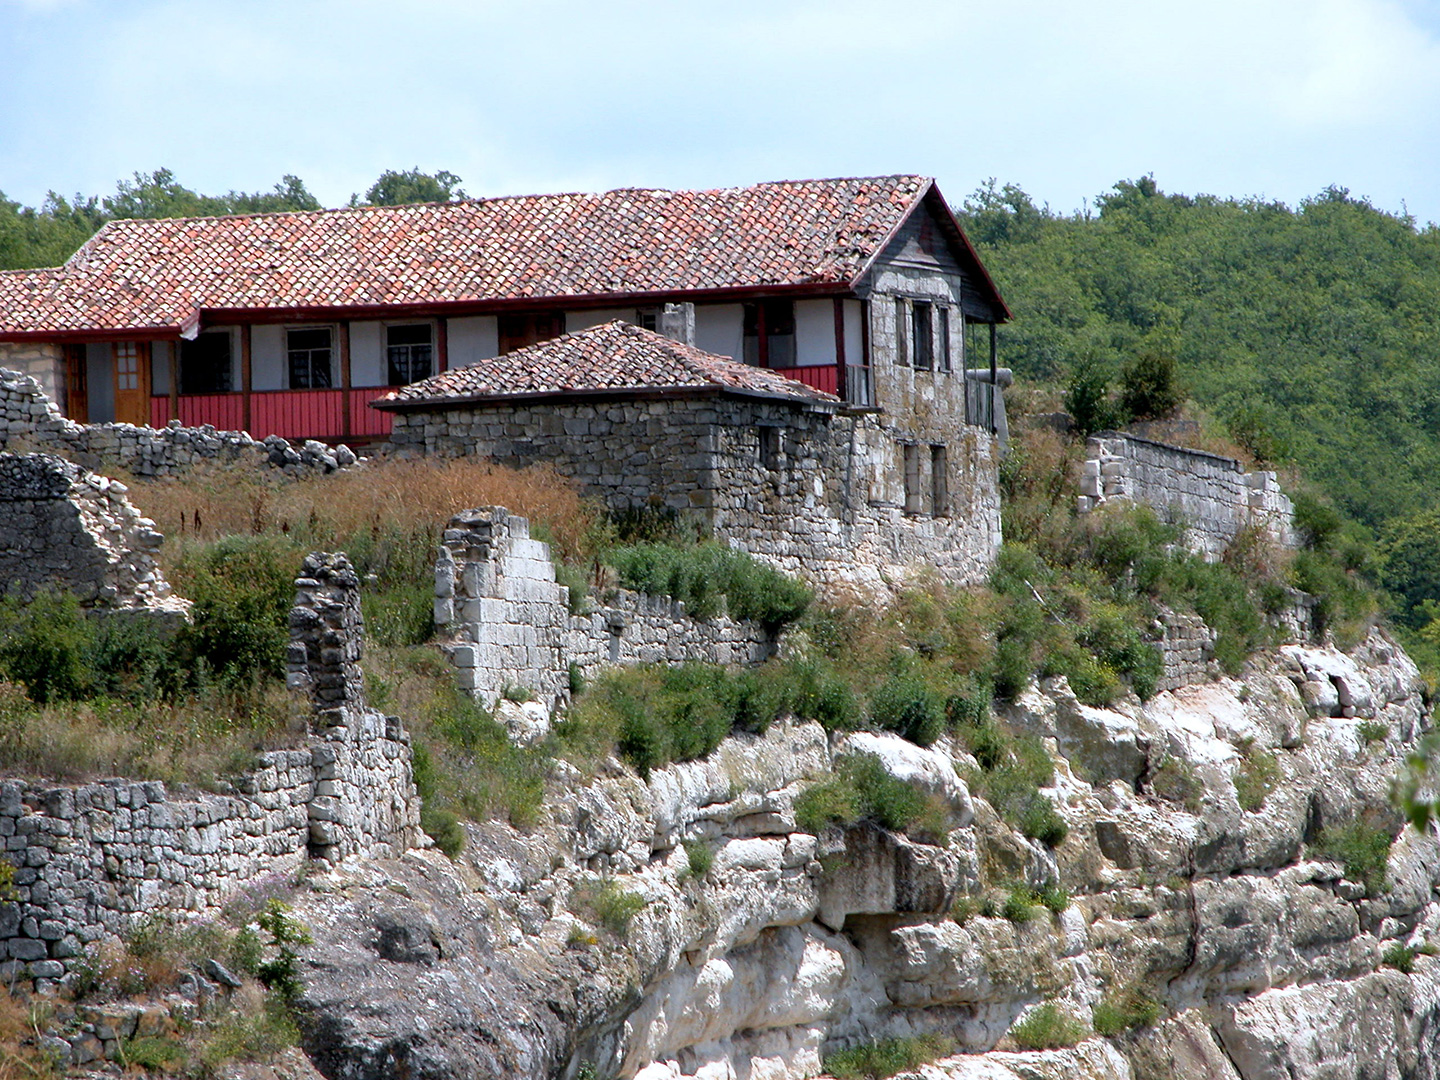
132, 382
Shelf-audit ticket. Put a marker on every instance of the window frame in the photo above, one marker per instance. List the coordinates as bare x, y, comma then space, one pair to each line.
910, 469
229, 368
944, 359
330, 351
385, 329
939, 480
922, 337
902, 331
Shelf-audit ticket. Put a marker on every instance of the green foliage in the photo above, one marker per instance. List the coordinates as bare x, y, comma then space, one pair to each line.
397, 187
399, 616
1018, 768
703, 575
1021, 904
45, 646
862, 790
1088, 398
243, 589
574, 578
249, 1036
7, 881
285, 931
1124, 1009
611, 906
880, 1060
1364, 849
1175, 780
1372, 731
1256, 777
1150, 386
1047, 1027
153, 1054
907, 705
699, 858
1401, 957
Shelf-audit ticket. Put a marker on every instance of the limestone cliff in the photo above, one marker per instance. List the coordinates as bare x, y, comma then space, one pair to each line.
1266, 959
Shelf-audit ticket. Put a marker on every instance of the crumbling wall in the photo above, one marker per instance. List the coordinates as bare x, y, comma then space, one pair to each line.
1213, 497
91, 859
1187, 650
64, 527
30, 419
508, 623
815, 493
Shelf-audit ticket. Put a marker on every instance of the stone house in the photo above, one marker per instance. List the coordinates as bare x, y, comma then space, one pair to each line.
782, 469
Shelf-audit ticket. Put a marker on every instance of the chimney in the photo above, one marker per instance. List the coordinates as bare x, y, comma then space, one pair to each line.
677, 322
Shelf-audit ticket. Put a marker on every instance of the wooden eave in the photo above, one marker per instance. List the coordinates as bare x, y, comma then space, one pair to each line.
638, 393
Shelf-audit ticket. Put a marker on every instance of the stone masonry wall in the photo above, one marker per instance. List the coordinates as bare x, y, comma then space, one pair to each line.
93, 859
814, 492
1187, 647
64, 527
1212, 496
41, 361
509, 625
30, 418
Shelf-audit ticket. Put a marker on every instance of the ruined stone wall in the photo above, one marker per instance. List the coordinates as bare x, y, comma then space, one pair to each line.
508, 623
30, 419
64, 527
1211, 496
814, 492
41, 361
92, 859
1187, 650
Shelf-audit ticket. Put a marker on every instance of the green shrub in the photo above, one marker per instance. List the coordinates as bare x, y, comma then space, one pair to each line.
1372, 731
285, 931
1088, 399
861, 789
610, 905
880, 1060
399, 616
249, 1036
1012, 786
1175, 780
1257, 776
46, 646
574, 578
1021, 904
699, 858
905, 704
702, 575
1363, 849
1047, 1027
242, 589
153, 1054
444, 828
1124, 1009
1400, 957
1054, 897
1150, 386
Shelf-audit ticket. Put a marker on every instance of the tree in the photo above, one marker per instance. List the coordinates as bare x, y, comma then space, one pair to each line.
411, 186
1150, 387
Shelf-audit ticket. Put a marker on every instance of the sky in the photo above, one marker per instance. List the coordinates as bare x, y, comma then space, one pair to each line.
1270, 98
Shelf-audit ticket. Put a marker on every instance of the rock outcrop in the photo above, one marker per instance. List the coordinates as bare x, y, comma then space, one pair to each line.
685, 926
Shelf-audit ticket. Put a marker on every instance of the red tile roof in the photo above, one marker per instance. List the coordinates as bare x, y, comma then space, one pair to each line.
614, 357
159, 275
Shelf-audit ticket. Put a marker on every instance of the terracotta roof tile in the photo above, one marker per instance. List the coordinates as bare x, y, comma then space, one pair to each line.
614, 356
155, 274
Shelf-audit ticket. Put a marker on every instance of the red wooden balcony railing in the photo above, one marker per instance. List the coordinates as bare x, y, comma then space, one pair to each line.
292, 414
825, 377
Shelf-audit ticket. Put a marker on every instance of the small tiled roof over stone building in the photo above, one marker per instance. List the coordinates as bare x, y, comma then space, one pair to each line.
170, 275
614, 358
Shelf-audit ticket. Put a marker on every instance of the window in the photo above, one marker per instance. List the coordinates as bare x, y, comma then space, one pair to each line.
309, 352
529, 328
944, 339
902, 344
127, 365
770, 334
648, 318
770, 447
939, 482
922, 335
408, 353
912, 478
205, 364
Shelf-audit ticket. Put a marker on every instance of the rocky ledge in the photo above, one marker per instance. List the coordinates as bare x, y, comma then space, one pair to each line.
606, 942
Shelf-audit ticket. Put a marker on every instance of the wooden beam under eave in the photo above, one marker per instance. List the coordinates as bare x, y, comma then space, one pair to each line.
245, 381
345, 378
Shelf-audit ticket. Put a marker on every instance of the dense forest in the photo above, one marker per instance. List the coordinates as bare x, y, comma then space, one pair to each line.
1309, 335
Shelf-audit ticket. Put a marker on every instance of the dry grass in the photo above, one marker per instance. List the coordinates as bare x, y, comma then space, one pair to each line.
21, 1023
381, 498
192, 740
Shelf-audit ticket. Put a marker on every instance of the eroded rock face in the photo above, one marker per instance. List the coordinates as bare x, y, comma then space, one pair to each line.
1266, 959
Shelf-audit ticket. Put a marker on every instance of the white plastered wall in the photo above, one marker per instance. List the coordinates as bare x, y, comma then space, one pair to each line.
814, 333
367, 361
720, 328
267, 358
472, 339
